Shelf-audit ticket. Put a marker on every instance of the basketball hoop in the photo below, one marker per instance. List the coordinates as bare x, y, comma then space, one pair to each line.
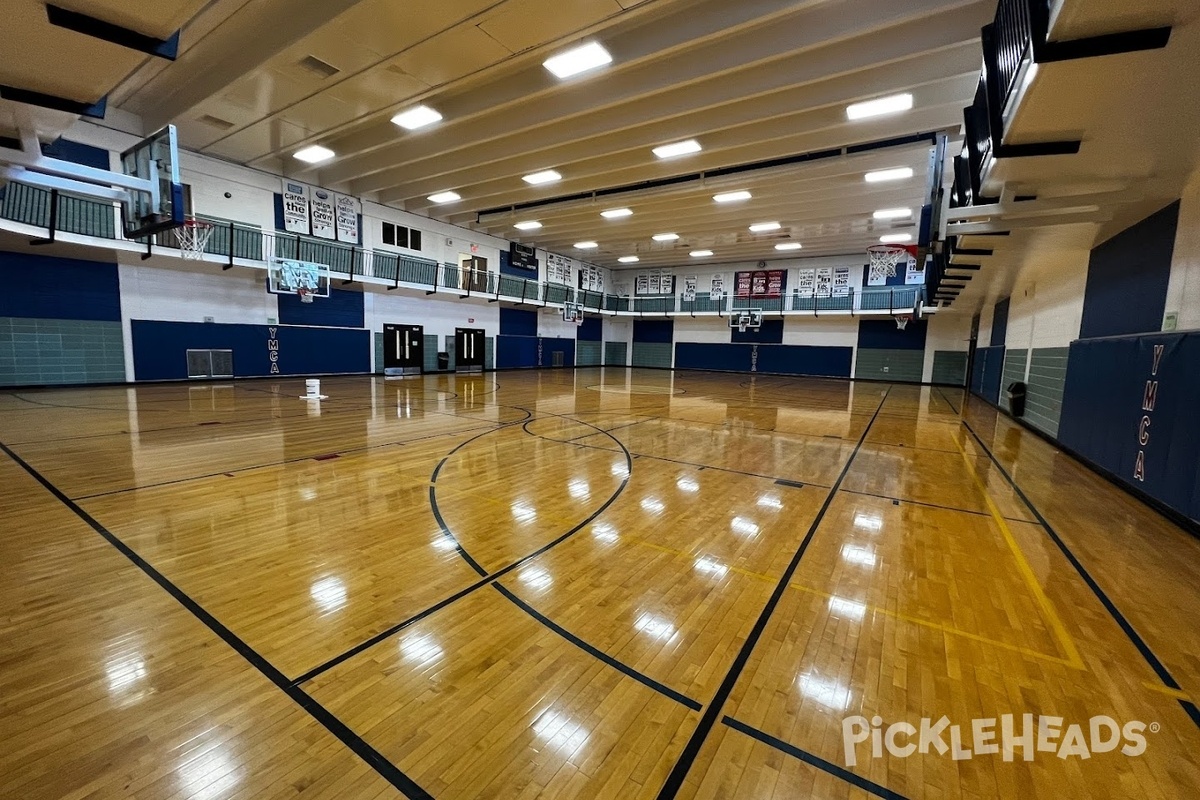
902, 320
884, 258
192, 236
305, 295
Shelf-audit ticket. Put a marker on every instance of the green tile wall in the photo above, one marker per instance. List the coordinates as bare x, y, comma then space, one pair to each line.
1014, 370
901, 366
1047, 377
489, 352
616, 354
57, 351
587, 354
431, 351
652, 354
379, 353
950, 367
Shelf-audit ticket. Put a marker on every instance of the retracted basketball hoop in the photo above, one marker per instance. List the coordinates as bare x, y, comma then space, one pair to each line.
192, 236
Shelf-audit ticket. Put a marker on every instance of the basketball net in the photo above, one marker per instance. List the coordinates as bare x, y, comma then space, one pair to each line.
192, 236
884, 259
902, 320
305, 295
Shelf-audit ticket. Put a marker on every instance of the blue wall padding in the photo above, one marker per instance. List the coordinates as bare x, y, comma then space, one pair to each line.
653, 330
341, 309
884, 335
517, 322
592, 330
1000, 323
48, 287
1128, 276
160, 348
1103, 412
771, 332
773, 359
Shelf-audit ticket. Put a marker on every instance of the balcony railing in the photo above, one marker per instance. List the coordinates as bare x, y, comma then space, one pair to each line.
232, 241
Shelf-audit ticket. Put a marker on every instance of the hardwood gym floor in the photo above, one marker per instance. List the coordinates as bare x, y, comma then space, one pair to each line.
570, 584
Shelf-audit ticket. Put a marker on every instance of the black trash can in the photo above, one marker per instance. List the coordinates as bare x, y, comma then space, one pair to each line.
443, 362
1016, 399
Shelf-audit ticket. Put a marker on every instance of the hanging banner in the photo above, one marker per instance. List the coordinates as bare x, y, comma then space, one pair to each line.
841, 281
761, 283
689, 287
913, 275
717, 292
348, 211
824, 281
806, 282
295, 207
654, 283
643, 284
741, 283
324, 214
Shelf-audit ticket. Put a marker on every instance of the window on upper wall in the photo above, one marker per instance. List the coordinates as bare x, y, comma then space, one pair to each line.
400, 236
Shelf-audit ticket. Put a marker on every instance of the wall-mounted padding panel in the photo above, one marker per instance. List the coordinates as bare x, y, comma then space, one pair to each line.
47, 287
516, 352
988, 372
884, 335
592, 330
46, 352
616, 354
1129, 407
771, 332
588, 354
949, 367
898, 366
1013, 371
805, 360
518, 322
1047, 379
658, 331
160, 349
651, 354
1000, 323
342, 309
550, 346
720, 357
1128, 276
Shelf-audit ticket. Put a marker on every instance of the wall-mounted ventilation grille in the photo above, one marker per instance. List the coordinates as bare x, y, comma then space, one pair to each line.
319, 67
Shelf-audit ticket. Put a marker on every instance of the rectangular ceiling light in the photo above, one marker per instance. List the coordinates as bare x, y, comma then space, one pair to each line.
678, 149
785, 246
313, 154
531, 225
701, 253
616, 213
629, 259
884, 105
586, 245
417, 117
732, 197
665, 237
893, 213
581, 59
763, 227
444, 197
896, 238
545, 176
884, 175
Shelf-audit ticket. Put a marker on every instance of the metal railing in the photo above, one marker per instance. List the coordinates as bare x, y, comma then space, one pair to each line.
231, 241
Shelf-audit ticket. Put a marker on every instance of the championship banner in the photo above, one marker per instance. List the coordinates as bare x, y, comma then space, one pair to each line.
841, 281
348, 209
654, 283
295, 207
323, 213
741, 284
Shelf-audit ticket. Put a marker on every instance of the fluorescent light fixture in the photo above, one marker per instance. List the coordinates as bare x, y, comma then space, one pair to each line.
581, 59
784, 247
893, 213
700, 253
616, 213
629, 259
545, 176
678, 149
732, 197
417, 117
763, 227
665, 237
586, 245
314, 154
884, 105
896, 238
531, 225
884, 175
445, 197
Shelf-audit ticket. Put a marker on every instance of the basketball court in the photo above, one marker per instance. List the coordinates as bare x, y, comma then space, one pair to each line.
393, 405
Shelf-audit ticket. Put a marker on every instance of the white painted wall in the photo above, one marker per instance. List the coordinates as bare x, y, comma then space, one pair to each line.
1183, 291
946, 330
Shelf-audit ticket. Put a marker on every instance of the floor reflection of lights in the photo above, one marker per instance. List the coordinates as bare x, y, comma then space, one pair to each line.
560, 732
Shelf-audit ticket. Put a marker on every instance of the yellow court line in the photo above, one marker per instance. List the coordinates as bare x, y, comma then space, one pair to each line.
1167, 690
1051, 615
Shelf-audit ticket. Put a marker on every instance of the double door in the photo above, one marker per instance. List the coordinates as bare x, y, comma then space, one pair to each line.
403, 349
469, 347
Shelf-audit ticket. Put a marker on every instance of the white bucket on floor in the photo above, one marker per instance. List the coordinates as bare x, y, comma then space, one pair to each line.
312, 386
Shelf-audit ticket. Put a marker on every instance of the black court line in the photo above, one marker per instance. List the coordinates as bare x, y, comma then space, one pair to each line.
353, 741
825, 766
947, 399
791, 484
1159, 668
935, 505
679, 772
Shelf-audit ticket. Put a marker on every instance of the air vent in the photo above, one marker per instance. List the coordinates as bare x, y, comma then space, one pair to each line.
319, 67
216, 122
